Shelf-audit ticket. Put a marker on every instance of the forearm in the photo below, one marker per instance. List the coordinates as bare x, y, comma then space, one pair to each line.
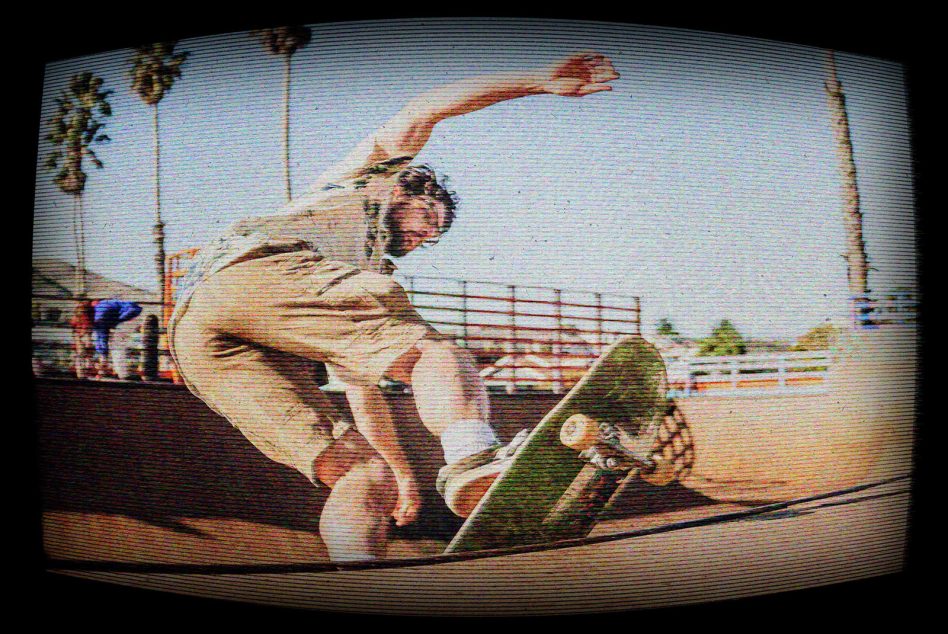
408, 131
473, 94
373, 419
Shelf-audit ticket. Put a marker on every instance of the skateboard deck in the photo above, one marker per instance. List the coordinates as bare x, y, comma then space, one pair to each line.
549, 492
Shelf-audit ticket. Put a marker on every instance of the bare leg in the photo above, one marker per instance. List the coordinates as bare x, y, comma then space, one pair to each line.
355, 520
452, 402
445, 383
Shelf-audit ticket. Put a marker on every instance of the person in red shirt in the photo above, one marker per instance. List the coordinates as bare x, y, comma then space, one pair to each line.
82, 321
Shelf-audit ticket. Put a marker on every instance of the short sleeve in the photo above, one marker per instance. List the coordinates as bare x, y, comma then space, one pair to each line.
358, 170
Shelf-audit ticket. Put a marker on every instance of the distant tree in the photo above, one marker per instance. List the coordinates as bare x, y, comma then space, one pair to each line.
724, 341
285, 41
155, 68
819, 338
666, 329
74, 130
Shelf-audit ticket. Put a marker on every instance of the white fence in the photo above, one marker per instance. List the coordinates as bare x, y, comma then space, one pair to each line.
744, 375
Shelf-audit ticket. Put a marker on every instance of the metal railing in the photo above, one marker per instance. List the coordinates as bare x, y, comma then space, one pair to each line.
525, 337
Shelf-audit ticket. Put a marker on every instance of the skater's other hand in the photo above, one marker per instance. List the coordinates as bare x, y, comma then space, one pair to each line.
580, 74
409, 500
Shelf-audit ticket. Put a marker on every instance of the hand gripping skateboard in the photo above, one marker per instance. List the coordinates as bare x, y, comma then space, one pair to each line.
615, 423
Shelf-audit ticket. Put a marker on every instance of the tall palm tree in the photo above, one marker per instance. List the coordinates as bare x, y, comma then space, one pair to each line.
155, 68
857, 265
285, 41
74, 130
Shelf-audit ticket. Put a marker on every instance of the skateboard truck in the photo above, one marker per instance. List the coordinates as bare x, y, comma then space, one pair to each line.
610, 448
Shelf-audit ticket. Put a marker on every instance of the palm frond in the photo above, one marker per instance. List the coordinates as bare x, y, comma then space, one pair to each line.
75, 129
52, 161
154, 69
95, 159
284, 40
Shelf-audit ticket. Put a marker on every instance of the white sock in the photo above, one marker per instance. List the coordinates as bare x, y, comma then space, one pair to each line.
464, 438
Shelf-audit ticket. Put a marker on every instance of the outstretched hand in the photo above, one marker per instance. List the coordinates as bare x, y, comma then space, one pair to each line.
580, 74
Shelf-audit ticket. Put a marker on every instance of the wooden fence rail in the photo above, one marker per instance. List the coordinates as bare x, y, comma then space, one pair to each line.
792, 372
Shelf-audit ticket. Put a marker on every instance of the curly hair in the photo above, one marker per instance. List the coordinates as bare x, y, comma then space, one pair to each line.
420, 180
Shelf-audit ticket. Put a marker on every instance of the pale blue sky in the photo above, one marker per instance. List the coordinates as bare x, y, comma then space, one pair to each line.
706, 182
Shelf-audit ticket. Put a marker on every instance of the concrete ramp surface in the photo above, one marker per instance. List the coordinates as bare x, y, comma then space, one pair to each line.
772, 448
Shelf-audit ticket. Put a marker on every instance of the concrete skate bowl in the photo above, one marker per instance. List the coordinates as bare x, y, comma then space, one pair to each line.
760, 449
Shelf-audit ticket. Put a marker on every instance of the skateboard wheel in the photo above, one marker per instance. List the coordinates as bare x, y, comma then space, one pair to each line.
579, 432
662, 474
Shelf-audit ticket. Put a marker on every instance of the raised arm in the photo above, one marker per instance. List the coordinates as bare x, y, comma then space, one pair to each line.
406, 133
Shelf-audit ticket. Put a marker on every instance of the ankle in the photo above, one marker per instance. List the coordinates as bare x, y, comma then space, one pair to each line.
467, 437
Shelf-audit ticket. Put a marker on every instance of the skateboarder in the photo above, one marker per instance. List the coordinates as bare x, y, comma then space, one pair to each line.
275, 293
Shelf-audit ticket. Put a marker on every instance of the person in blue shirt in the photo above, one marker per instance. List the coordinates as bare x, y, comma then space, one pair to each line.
108, 314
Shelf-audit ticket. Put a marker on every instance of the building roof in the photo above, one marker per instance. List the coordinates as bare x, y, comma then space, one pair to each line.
56, 278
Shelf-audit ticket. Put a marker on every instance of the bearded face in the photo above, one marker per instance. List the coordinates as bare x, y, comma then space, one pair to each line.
413, 222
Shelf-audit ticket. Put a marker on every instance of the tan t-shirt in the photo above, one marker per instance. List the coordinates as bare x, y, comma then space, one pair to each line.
343, 220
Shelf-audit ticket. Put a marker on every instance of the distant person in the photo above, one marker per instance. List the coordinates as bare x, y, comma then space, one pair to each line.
275, 293
691, 384
81, 322
108, 314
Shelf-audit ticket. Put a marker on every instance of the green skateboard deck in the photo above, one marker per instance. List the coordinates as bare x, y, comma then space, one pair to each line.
549, 492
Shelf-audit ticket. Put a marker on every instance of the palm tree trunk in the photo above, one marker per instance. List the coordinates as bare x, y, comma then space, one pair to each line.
158, 231
286, 127
79, 237
75, 241
857, 266
82, 246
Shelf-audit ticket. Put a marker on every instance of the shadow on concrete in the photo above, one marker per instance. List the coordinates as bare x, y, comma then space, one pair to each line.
636, 498
156, 453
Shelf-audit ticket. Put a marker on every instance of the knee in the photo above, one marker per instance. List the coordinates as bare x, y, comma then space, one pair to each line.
380, 480
369, 485
444, 353
436, 353
436, 347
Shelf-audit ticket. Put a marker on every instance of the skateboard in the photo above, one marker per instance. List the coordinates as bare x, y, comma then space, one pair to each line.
615, 423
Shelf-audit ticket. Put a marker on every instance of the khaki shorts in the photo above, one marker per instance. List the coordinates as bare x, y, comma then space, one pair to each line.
246, 339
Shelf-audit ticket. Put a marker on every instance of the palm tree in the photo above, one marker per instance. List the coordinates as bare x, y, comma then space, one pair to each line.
155, 68
74, 130
285, 41
857, 266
